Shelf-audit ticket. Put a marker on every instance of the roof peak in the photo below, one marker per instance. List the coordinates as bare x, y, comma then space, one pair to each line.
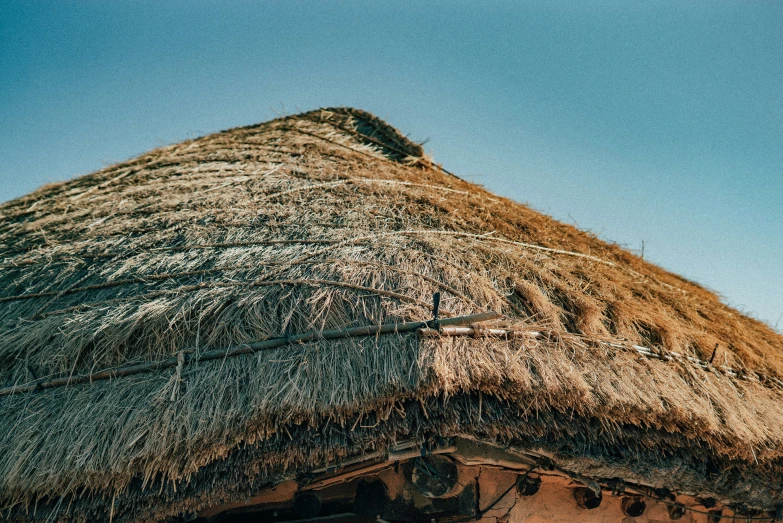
369, 128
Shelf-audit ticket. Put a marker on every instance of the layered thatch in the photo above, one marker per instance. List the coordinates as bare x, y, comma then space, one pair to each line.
327, 220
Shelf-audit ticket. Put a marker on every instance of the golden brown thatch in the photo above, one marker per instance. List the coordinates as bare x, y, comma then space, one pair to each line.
327, 220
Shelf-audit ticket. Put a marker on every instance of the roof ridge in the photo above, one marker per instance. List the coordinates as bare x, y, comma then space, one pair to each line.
369, 128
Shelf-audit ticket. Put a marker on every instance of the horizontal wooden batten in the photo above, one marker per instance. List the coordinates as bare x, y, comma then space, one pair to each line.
187, 356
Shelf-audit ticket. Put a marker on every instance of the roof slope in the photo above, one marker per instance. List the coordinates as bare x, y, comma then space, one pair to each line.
333, 219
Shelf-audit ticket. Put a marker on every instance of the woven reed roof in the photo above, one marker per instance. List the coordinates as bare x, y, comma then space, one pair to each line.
328, 220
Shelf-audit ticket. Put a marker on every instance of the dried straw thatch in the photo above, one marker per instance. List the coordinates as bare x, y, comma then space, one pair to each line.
327, 220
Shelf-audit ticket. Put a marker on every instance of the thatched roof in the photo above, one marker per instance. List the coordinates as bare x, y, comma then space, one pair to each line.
328, 220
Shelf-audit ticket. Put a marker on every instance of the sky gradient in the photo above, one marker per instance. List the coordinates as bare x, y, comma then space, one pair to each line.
651, 122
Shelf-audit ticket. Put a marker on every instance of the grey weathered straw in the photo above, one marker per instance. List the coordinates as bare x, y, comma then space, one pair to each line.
332, 221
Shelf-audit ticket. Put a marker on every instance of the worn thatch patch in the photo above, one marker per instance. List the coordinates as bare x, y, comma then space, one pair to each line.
333, 219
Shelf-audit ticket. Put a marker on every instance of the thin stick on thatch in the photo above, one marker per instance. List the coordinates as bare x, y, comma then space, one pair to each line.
258, 283
333, 243
146, 279
359, 181
185, 358
474, 331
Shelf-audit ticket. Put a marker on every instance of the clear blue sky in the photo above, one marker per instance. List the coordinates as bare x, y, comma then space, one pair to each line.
645, 121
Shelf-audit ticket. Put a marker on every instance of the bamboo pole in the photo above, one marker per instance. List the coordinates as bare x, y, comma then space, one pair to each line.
471, 331
188, 356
